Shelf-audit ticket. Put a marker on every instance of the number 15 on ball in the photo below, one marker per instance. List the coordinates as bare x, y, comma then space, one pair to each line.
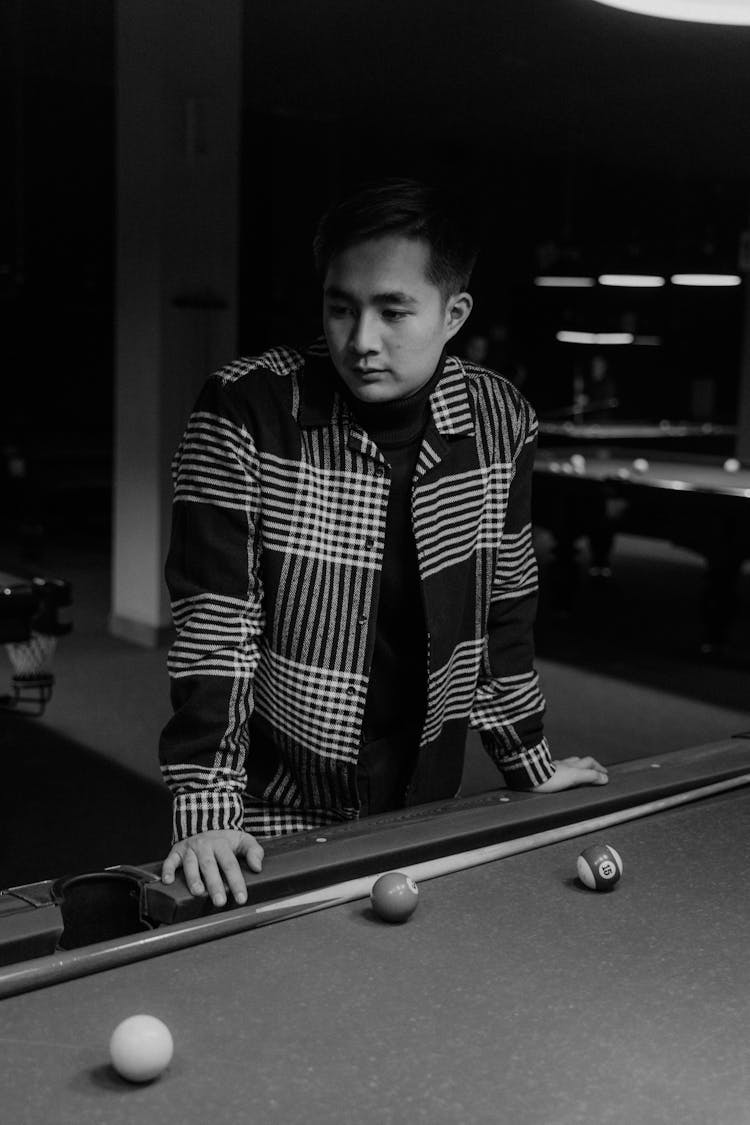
599, 867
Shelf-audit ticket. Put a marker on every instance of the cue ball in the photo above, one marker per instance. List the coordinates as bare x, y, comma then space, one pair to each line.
141, 1047
599, 867
732, 465
394, 897
578, 461
640, 465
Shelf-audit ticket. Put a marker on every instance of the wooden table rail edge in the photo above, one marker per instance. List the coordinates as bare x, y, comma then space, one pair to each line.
71, 964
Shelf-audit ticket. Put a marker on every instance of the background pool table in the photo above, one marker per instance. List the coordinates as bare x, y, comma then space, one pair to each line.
595, 493
33, 614
511, 995
666, 434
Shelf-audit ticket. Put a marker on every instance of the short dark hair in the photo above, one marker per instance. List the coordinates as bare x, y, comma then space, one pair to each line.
413, 210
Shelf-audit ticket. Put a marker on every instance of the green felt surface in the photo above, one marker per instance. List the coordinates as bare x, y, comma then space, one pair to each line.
511, 995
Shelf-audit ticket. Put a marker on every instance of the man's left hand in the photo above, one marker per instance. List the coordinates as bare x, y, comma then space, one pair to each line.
570, 772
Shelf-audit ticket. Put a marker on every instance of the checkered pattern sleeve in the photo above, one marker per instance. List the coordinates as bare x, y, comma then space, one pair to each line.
217, 603
508, 706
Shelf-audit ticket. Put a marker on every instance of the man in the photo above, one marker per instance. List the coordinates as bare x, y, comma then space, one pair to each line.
351, 566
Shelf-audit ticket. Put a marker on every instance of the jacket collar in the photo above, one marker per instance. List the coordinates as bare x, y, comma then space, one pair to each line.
321, 404
450, 400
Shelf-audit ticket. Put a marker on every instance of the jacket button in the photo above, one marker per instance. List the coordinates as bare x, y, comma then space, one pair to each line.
362, 618
350, 691
369, 543
380, 471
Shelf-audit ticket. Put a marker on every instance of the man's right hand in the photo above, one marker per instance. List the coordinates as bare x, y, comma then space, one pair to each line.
210, 859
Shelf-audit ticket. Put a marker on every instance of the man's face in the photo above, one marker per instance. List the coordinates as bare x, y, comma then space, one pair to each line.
385, 322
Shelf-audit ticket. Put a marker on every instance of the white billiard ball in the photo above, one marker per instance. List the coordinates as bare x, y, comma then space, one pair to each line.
141, 1048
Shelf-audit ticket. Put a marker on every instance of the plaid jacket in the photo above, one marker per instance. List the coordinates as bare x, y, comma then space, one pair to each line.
277, 541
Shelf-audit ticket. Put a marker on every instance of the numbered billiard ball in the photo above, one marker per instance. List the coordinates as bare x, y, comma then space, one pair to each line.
394, 897
141, 1048
599, 867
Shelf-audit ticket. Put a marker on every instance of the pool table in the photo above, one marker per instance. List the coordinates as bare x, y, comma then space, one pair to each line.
594, 493
33, 614
513, 994
674, 436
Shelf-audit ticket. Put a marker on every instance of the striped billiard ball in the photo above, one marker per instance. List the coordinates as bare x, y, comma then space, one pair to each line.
599, 867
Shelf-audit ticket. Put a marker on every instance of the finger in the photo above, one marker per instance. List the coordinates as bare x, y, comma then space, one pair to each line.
592, 777
232, 873
170, 865
252, 852
583, 763
212, 876
592, 764
191, 868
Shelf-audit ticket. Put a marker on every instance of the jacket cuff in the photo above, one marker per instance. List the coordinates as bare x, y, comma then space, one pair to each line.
206, 811
528, 767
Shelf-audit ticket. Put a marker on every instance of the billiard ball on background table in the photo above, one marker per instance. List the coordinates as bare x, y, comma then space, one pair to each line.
640, 465
599, 867
732, 465
141, 1048
394, 897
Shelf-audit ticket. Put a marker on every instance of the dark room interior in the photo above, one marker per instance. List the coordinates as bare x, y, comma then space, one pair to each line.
585, 141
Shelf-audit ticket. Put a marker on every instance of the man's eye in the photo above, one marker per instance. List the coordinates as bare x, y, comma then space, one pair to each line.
337, 310
394, 314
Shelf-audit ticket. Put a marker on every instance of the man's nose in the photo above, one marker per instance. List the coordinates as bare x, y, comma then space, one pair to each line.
364, 336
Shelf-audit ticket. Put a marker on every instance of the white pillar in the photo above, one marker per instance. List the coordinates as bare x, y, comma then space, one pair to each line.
178, 156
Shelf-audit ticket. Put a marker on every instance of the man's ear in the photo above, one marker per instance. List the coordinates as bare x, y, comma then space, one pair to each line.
457, 312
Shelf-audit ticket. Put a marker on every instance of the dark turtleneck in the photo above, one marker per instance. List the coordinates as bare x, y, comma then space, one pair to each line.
396, 698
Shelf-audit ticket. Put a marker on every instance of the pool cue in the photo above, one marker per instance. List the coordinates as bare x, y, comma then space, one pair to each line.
71, 964
462, 861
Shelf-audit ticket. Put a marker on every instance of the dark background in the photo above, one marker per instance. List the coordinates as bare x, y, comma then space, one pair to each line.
625, 136
565, 124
